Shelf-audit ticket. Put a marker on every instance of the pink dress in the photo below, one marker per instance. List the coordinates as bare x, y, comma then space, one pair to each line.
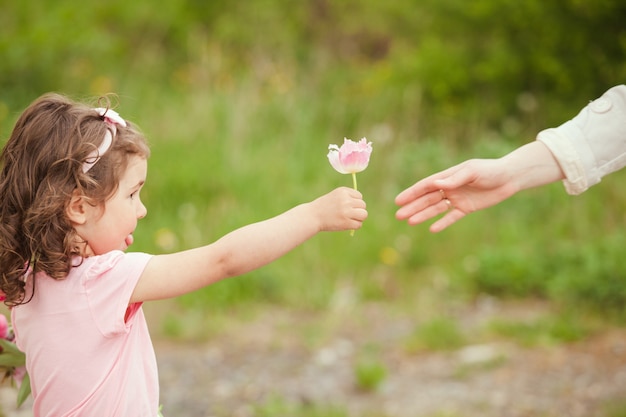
88, 352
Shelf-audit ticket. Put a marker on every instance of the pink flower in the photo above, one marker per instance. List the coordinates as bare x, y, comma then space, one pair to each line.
4, 327
351, 157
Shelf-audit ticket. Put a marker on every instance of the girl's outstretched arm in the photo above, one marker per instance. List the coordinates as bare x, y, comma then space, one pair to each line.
249, 247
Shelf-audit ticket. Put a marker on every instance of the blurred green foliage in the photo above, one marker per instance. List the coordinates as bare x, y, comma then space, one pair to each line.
369, 369
441, 333
545, 331
615, 409
241, 99
432, 63
280, 406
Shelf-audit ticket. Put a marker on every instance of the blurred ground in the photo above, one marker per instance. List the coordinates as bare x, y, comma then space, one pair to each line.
253, 361
229, 376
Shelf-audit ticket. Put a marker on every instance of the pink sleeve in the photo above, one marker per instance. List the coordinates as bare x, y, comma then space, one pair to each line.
109, 282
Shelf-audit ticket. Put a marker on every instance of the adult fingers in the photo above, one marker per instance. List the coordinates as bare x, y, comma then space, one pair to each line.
418, 205
449, 219
427, 185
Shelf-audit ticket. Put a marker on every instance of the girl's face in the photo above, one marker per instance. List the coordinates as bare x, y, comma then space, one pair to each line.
114, 228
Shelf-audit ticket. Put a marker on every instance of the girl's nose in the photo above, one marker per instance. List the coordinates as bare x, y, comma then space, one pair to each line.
142, 211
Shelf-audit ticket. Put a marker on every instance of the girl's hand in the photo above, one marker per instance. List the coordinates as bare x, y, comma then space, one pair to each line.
341, 209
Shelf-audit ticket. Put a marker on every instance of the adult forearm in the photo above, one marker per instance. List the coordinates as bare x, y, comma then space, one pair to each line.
532, 165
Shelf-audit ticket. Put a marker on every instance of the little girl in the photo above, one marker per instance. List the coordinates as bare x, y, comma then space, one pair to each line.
69, 204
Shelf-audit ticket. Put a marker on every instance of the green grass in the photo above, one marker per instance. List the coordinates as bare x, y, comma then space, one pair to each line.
227, 156
544, 331
369, 375
278, 406
221, 161
230, 148
438, 334
370, 370
615, 408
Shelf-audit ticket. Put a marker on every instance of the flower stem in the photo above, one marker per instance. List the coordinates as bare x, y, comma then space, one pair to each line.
354, 185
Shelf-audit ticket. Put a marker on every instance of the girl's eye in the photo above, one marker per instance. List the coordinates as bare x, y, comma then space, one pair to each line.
133, 195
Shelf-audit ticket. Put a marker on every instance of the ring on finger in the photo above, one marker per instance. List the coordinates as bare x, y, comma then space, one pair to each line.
443, 194
448, 203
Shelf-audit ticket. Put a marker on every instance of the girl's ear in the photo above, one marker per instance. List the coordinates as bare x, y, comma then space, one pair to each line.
75, 210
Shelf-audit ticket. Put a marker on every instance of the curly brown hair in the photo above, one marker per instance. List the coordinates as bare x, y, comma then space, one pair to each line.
41, 167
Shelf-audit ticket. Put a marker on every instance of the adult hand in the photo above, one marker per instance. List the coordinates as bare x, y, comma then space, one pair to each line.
457, 191
475, 185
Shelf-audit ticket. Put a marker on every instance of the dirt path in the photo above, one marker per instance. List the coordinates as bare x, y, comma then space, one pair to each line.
576, 381
305, 360
266, 359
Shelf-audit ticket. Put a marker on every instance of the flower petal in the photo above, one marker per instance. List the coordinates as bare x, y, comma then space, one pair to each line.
355, 161
351, 157
333, 158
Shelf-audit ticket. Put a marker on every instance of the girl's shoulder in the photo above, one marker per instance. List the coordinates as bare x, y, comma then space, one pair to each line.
113, 262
